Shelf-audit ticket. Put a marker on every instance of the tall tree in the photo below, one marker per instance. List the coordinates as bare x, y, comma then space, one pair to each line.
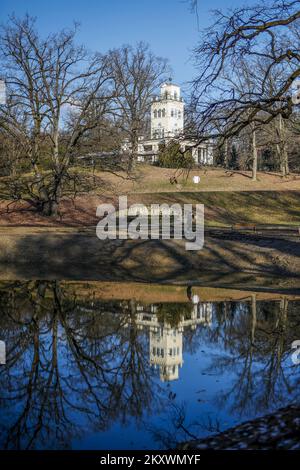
266, 33
137, 73
45, 78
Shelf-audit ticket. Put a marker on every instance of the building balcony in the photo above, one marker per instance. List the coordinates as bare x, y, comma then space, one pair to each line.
167, 97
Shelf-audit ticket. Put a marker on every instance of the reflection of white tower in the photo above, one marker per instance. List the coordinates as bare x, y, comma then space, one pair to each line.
167, 112
2, 353
166, 351
165, 342
202, 313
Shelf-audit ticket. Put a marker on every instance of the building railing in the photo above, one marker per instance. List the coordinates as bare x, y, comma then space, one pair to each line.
167, 97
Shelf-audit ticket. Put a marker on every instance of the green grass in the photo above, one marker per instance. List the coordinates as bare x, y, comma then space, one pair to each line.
248, 207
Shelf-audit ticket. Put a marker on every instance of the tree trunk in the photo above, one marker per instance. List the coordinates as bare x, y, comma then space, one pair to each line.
132, 154
50, 208
226, 159
49, 200
254, 152
284, 160
253, 317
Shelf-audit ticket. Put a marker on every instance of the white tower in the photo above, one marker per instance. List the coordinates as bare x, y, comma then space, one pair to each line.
166, 351
167, 112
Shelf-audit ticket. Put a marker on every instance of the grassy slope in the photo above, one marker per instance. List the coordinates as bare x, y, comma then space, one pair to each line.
228, 208
229, 198
221, 208
152, 179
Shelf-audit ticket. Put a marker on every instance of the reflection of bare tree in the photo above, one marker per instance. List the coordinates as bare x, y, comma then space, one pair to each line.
256, 352
255, 338
177, 431
62, 362
134, 392
77, 364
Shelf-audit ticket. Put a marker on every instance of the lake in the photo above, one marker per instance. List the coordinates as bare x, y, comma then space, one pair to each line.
84, 366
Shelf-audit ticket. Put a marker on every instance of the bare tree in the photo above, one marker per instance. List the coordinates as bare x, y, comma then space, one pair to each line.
137, 73
46, 78
263, 33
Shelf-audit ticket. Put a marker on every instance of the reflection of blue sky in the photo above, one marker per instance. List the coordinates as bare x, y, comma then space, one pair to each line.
195, 388
199, 389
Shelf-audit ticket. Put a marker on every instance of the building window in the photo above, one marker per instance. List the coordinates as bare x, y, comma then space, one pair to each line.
175, 95
155, 114
163, 112
179, 114
172, 112
159, 113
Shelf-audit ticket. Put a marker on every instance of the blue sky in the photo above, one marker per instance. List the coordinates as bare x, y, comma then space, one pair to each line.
167, 25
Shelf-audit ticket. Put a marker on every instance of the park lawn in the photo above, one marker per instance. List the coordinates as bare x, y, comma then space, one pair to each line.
152, 179
238, 207
229, 198
222, 209
149, 178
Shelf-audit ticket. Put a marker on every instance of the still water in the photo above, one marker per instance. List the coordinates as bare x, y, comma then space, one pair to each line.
78, 371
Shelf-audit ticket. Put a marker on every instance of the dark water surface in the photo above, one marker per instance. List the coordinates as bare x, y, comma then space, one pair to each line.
80, 372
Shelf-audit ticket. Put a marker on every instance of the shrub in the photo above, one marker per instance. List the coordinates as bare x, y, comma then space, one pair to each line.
170, 156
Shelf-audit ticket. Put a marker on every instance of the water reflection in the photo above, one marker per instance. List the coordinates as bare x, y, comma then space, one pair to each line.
2, 353
166, 324
83, 372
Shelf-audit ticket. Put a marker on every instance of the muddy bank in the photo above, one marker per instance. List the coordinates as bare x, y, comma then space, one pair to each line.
275, 431
228, 259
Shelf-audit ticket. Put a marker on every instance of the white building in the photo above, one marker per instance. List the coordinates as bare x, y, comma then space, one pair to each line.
167, 123
166, 341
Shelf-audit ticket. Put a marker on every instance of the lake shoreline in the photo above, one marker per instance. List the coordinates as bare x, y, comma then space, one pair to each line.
229, 258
